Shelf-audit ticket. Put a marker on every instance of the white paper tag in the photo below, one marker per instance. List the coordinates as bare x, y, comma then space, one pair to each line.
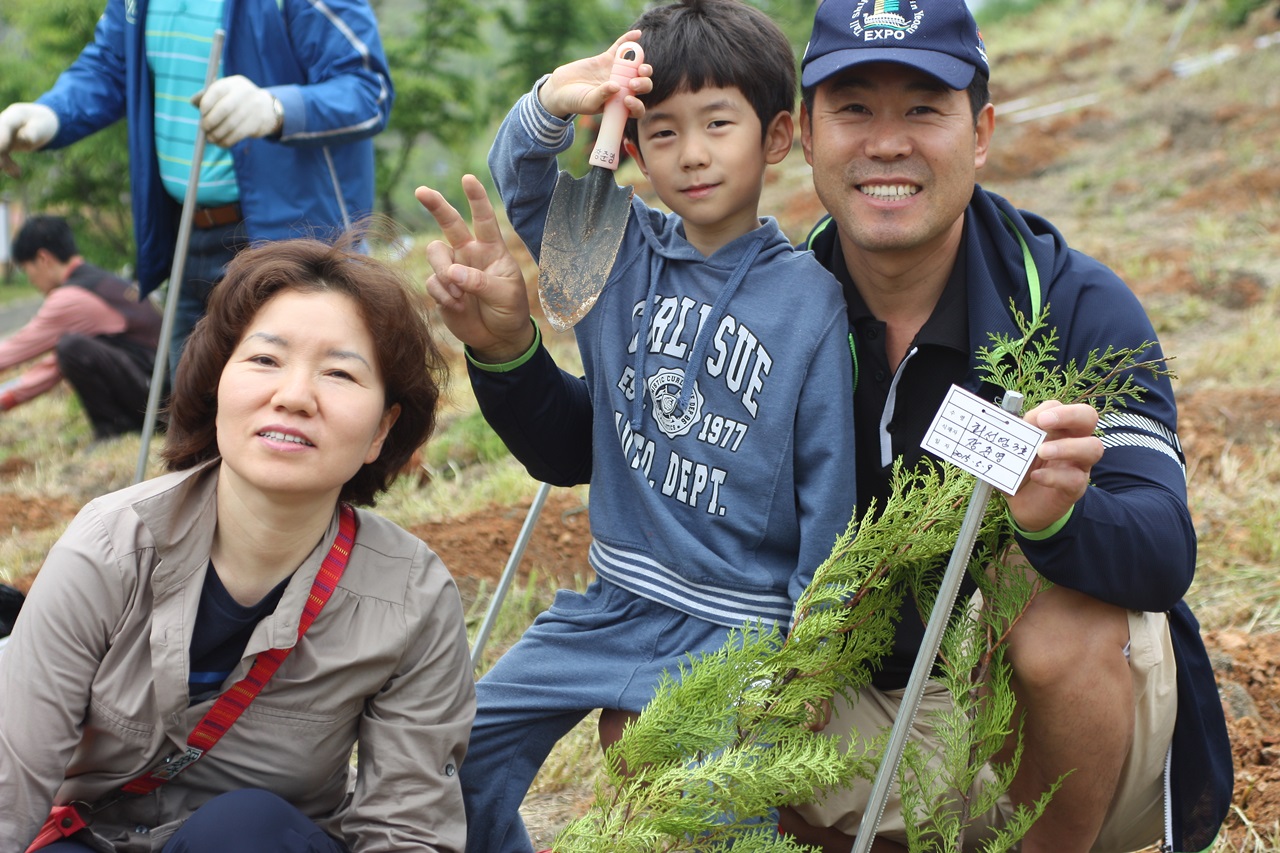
983, 439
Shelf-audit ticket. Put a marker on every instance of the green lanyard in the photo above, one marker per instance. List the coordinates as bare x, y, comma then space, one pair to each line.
1029, 264
1033, 283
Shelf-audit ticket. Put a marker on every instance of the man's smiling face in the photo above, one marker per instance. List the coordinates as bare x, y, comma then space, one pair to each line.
895, 154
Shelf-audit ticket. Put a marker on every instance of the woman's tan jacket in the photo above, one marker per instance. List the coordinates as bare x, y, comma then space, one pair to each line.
93, 684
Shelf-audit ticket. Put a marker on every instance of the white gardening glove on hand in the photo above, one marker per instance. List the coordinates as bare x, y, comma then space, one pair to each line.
24, 127
235, 108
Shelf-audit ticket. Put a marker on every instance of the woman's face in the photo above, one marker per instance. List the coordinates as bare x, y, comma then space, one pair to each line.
301, 400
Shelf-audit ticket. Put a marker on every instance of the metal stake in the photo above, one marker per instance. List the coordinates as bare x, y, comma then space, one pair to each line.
508, 573
928, 652
175, 274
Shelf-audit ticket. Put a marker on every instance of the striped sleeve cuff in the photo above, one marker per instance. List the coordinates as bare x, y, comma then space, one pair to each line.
1128, 429
547, 130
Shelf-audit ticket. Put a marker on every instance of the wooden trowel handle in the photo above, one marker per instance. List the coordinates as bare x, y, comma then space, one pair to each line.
626, 63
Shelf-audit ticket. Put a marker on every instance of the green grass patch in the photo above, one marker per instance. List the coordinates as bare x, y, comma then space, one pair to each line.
462, 442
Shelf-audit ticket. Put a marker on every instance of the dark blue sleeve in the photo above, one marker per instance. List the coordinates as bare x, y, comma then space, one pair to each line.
348, 92
542, 414
1130, 544
1129, 541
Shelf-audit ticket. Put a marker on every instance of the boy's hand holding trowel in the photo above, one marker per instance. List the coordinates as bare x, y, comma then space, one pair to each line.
587, 216
583, 87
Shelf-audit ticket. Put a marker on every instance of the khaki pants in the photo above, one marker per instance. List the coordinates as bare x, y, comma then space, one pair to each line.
1136, 817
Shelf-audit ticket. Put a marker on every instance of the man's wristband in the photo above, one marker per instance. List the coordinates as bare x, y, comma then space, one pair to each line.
508, 366
1039, 535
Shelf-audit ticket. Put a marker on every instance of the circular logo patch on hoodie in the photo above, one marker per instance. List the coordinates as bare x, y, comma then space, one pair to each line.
664, 388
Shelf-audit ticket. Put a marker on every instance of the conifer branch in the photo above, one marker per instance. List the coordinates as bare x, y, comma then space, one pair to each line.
729, 738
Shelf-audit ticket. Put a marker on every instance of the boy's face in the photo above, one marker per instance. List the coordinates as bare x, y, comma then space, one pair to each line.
705, 156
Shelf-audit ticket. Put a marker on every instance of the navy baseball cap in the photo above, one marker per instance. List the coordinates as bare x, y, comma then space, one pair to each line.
939, 37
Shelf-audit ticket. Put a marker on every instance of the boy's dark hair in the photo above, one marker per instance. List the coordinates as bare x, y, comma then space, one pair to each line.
412, 368
979, 92
694, 44
51, 233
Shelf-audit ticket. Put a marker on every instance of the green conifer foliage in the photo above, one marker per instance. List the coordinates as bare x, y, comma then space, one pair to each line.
732, 737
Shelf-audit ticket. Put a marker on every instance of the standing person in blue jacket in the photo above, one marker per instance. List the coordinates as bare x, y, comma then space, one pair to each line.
302, 89
1109, 667
713, 341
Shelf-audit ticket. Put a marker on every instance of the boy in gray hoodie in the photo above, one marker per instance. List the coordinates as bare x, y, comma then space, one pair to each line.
714, 349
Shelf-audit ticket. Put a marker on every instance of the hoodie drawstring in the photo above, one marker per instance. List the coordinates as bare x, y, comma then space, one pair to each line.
656, 265
705, 331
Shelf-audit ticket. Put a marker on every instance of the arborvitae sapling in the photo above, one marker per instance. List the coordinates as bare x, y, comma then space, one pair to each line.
731, 738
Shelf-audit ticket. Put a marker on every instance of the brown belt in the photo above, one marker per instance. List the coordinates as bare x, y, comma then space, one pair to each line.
212, 217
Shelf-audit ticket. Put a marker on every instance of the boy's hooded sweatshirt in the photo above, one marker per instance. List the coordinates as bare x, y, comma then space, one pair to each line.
721, 387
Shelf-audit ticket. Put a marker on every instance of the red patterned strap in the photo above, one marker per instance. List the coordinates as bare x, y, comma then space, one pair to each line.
232, 703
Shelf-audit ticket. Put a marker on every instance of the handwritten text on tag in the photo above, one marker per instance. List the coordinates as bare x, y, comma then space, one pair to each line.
983, 439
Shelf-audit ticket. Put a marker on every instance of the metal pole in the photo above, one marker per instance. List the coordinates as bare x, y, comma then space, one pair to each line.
928, 652
1175, 38
508, 573
1133, 17
175, 274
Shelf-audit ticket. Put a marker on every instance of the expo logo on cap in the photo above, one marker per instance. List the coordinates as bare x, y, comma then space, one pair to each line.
938, 37
884, 20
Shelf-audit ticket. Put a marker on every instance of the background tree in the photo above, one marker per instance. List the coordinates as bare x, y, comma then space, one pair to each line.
793, 17
438, 60
546, 33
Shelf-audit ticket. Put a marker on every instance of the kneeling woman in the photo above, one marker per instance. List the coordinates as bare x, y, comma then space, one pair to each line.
304, 390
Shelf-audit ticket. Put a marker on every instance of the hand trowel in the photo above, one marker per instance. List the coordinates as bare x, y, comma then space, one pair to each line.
588, 215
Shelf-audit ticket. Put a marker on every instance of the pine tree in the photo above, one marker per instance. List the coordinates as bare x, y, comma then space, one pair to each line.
731, 738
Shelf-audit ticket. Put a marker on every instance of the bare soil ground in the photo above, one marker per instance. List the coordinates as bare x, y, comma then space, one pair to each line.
476, 547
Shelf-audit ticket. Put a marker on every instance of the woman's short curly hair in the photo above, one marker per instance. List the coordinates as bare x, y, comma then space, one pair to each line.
412, 368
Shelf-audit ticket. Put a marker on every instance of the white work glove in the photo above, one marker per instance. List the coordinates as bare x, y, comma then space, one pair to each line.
235, 108
24, 127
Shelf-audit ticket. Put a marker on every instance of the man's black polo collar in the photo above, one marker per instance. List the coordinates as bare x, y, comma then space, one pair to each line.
898, 406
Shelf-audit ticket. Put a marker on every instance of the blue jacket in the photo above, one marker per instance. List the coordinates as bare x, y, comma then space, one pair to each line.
708, 493
325, 64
